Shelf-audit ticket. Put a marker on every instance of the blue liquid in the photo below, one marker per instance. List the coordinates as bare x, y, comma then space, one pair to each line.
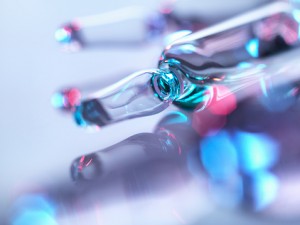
189, 68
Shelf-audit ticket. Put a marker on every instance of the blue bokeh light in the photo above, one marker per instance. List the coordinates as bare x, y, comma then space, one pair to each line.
34, 217
230, 157
219, 156
57, 100
244, 65
256, 151
252, 47
62, 35
34, 209
265, 188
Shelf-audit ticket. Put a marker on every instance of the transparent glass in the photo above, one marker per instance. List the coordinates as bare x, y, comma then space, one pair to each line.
238, 54
248, 162
140, 94
173, 141
170, 21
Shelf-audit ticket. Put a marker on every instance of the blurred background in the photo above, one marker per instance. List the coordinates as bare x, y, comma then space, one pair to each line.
38, 143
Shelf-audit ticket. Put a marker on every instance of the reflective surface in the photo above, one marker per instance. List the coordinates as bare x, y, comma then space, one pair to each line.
240, 53
170, 21
238, 158
38, 146
235, 53
172, 141
140, 94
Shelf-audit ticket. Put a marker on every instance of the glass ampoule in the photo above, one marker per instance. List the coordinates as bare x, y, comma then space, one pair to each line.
145, 167
172, 20
249, 164
252, 162
172, 141
237, 53
106, 28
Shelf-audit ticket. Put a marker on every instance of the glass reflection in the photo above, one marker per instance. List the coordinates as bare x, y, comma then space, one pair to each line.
188, 164
171, 21
149, 172
248, 158
236, 56
171, 142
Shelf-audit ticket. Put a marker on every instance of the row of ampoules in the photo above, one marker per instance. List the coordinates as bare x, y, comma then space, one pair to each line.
192, 167
239, 53
171, 20
237, 146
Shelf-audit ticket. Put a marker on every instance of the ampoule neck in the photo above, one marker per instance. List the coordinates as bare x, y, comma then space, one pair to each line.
143, 93
167, 84
193, 95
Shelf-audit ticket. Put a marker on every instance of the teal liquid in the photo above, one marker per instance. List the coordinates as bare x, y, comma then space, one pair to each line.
234, 54
225, 57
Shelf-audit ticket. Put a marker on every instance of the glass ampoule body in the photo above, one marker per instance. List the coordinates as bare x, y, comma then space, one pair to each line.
169, 21
237, 53
182, 16
248, 163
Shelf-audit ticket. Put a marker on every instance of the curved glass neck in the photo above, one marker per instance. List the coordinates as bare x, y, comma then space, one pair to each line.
237, 53
141, 94
172, 141
256, 35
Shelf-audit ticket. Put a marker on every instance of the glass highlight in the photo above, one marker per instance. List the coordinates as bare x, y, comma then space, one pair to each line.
236, 54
